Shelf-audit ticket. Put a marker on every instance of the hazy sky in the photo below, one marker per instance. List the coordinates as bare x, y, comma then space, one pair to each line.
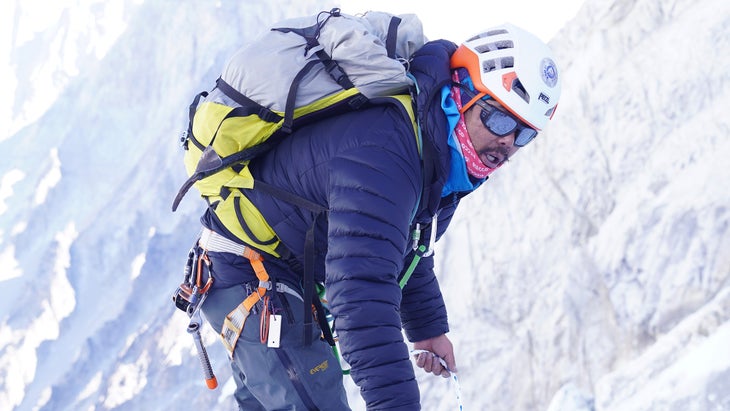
468, 17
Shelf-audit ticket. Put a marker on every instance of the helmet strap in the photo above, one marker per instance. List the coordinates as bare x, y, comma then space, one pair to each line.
471, 102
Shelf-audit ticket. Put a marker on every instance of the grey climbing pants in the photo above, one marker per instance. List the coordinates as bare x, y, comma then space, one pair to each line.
294, 376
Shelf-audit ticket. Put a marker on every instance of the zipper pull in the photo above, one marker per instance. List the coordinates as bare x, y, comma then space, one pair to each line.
416, 236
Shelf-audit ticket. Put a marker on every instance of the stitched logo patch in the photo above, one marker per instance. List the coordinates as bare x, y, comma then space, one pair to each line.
320, 367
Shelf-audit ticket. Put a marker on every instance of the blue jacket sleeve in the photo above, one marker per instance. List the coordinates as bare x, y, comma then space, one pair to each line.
373, 189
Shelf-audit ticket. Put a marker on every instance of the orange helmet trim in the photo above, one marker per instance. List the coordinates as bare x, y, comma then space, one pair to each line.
508, 79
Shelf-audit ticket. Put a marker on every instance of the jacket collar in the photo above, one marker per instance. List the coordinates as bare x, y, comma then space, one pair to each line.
431, 69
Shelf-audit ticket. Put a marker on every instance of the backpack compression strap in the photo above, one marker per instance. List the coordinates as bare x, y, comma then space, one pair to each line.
311, 36
391, 40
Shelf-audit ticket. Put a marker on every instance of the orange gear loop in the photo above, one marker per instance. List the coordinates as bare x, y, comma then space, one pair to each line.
264, 324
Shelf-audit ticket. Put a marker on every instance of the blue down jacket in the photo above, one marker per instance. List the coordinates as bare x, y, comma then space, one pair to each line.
364, 167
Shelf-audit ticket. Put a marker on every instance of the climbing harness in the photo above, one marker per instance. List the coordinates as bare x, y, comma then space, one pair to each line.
211, 241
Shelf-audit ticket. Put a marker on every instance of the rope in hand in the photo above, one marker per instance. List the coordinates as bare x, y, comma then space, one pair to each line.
453, 374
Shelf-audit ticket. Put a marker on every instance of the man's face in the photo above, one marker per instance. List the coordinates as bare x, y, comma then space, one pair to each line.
492, 149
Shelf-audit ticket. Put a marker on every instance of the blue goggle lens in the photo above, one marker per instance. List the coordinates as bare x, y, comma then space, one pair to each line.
501, 124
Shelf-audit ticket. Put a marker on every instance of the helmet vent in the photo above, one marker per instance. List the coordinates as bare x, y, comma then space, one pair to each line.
496, 45
519, 89
497, 64
496, 32
487, 34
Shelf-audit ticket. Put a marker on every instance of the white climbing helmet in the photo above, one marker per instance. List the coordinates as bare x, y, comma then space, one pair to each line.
515, 68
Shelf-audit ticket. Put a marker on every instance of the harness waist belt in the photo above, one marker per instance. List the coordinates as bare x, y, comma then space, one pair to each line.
212, 241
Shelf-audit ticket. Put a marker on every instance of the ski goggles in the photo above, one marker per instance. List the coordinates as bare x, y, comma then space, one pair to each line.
501, 123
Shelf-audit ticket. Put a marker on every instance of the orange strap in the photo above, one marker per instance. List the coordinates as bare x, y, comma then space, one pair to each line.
234, 321
257, 262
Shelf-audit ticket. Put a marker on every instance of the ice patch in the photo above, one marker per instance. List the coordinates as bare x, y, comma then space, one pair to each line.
10, 266
137, 264
174, 342
91, 388
227, 390
43, 398
50, 179
63, 299
571, 398
19, 228
127, 381
6, 186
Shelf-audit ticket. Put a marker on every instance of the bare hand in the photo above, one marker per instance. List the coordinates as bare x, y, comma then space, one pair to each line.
435, 355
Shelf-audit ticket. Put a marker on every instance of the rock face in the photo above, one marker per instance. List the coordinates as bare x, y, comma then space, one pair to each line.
600, 257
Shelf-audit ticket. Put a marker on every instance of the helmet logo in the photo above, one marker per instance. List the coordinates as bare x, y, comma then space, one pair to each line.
549, 72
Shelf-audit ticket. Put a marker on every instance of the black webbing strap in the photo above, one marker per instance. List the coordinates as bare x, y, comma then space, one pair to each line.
310, 293
308, 285
288, 197
311, 36
322, 320
244, 226
252, 106
291, 98
309, 296
391, 40
191, 114
334, 70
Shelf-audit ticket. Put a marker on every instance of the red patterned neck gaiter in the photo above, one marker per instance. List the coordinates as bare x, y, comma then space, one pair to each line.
474, 165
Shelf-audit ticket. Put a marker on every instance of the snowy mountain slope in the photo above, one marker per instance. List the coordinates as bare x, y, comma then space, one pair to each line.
95, 251
64, 38
598, 263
